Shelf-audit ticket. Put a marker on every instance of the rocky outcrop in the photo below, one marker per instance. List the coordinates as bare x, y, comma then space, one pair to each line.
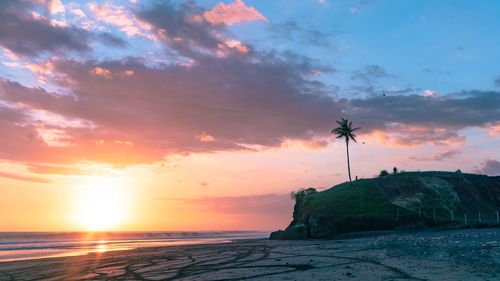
406, 200
292, 232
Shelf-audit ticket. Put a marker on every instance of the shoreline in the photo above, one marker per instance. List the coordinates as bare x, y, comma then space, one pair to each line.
472, 254
30, 246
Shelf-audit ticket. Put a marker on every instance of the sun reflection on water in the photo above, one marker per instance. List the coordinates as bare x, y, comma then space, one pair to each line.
102, 247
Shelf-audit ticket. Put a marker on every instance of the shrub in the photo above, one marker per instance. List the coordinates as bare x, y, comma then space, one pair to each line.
383, 173
302, 192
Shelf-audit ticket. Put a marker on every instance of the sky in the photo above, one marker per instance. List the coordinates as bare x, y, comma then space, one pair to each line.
205, 115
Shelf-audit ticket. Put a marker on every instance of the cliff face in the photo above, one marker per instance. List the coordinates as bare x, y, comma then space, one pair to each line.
406, 200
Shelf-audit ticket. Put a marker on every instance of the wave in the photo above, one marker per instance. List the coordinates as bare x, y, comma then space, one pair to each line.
29, 245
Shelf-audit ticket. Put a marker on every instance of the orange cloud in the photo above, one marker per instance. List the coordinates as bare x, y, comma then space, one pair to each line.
49, 169
232, 13
100, 71
314, 143
23, 178
204, 137
400, 135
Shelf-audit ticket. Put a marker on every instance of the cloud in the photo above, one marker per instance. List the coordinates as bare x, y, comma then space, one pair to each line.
262, 211
59, 170
134, 112
120, 17
266, 204
489, 167
492, 129
204, 137
497, 81
359, 6
270, 209
366, 79
169, 108
20, 140
112, 40
370, 72
24, 178
78, 13
182, 28
54, 6
25, 34
415, 119
292, 31
232, 13
436, 157
243, 103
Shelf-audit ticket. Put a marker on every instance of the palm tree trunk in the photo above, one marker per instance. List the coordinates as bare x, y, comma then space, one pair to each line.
348, 163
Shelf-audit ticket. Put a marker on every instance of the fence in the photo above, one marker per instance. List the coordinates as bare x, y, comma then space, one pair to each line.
442, 216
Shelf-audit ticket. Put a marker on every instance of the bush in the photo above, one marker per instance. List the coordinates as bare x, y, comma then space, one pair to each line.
302, 192
383, 173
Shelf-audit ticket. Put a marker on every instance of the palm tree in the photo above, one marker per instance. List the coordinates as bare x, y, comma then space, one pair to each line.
345, 130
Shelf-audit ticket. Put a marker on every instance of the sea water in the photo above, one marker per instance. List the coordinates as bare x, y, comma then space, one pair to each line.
36, 245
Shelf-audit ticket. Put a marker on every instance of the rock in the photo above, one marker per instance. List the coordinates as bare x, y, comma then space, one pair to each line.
292, 232
320, 227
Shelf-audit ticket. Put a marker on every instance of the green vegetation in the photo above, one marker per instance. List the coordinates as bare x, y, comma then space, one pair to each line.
401, 200
383, 173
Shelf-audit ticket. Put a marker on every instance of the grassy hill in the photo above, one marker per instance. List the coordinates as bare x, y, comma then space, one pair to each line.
404, 200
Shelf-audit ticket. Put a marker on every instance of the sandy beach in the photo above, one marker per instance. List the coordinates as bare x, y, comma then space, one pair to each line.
445, 255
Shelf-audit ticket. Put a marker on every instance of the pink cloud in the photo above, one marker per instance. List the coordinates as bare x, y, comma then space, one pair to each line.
232, 13
238, 46
120, 17
53, 6
493, 129
78, 13
429, 93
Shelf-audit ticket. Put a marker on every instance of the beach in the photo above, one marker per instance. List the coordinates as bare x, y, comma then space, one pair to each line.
430, 255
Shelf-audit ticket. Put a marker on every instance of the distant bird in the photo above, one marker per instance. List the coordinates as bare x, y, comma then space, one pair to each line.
345, 130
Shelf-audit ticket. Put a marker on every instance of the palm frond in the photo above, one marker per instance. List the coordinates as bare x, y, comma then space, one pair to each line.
345, 129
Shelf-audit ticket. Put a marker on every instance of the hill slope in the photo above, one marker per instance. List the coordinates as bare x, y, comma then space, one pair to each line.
410, 199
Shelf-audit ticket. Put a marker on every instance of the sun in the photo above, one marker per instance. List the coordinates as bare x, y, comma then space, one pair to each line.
101, 204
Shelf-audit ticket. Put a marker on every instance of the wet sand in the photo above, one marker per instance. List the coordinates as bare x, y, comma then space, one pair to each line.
446, 255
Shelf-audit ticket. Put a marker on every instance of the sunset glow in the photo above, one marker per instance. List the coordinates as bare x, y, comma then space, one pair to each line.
120, 115
101, 204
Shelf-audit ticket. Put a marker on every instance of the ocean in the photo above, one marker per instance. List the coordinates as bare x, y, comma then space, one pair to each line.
37, 245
